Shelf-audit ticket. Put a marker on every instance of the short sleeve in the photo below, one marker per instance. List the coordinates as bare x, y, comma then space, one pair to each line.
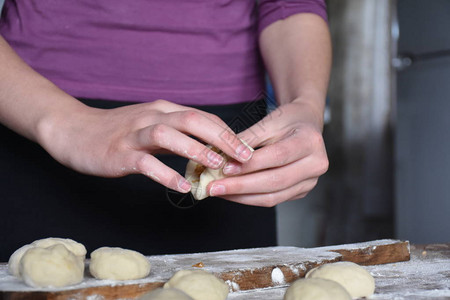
274, 10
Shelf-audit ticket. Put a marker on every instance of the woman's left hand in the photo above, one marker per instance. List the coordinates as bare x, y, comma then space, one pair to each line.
287, 163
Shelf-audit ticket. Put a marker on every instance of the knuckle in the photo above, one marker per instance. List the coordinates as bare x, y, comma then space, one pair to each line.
158, 132
189, 118
316, 139
311, 185
300, 196
160, 102
306, 187
141, 164
270, 201
323, 164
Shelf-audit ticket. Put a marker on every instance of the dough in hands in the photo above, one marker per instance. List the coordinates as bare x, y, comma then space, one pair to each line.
76, 248
200, 176
54, 266
199, 284
354, 278
118, 264
316, 289
166, 294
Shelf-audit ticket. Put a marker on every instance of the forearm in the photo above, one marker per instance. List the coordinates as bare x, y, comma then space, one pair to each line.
28, 101
297, 55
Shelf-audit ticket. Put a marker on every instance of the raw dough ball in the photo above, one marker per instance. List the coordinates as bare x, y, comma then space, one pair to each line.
354, 278
54, 266
200, 176
118, 264
166, 294
316, 289
76, 248
14, 260
199, 284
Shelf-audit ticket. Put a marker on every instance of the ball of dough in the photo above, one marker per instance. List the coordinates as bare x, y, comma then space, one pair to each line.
354, 278
316, 289
14, 260
54, 266
199, 284
75, 247
166, 294
118, 264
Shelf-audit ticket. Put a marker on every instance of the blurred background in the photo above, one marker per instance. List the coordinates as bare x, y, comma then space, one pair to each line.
388, 133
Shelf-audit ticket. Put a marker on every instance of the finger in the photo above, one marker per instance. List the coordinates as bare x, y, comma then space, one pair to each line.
263, 132
208, 130
270, 180
255, 135
165, 106
297, 191
151, 167
208, 127
170, 107
284, 152
166, 137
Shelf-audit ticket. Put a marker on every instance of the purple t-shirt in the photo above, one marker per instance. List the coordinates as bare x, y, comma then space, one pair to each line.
185, 51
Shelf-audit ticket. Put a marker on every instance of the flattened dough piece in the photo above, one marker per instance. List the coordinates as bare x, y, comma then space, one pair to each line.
199, 284
354, 278
54, 266
316, 289
118, 264
166, 294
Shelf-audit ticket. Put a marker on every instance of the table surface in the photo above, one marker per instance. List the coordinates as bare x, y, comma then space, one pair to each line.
425, 276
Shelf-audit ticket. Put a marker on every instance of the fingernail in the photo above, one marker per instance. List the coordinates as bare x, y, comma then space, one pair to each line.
244, 152
231, 169
215, 159
216, 190
184, 185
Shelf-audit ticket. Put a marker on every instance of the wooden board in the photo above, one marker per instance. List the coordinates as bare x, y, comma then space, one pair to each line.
425, 276
241, 269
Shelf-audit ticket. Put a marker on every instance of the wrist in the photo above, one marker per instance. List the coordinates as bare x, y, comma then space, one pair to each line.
311, 110
51, 127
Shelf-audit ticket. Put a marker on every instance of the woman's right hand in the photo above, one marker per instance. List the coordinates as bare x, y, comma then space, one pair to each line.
121, 141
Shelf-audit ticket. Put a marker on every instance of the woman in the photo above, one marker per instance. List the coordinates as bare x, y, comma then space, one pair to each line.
81, 79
